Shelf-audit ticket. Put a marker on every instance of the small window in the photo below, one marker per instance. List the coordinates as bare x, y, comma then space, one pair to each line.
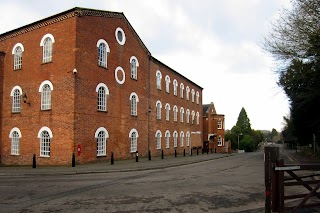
159, 77
101, 136
219, 141
198, 118
120, 36
158, 106
134, 99
181, 114
167, 139
181, 139
220, 124
133, 135
158, 139
175, 87
197, 97
103, 93
175, 113
175, 139
188, 138
167, 112
188, 116
103, 51
167, 83
17, 56
46, 88
47, 44
192, 116
15, 136
134, 67
181, 90
45, 136
187, 92
16, 99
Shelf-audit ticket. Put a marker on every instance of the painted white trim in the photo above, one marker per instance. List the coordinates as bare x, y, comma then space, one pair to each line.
104, 42
158, 131
46, 36
45, 128
167, 78
99, 130
15, 46
158, 72
123, 74
181, 108
14, 88
137, 97
167, 104
13, 130
133, 130
137, 62
160, 104
123, 36
182, 86
45, 82
102, 85
167, 132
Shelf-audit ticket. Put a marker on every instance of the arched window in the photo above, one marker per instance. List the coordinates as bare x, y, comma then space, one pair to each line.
181, 90
192, 95
159, 77
17, 56
103, 93
181, 114
15, 136
175, 113
192, 116
187, 92
158, 139
133, 135
175, 139
175, 87
181, 139
45, 136
198, 119
197, 97
134, 99
47, 44
134, 67
16, 93
188, 138
103, 50
167, 139
158, 106
167, 111
167, 83
188, 116
46, 88
101, 136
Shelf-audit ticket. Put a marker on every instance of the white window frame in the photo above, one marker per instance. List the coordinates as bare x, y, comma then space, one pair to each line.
175, 87
197, 97
17, 52
181, 139
158, 139
103, 52
198, 118
181, 90
219, 124
175, 139
134, 99
16, 93
175, 113
192, 116
46, 43
102, 97
167, 136
188, 116
45, 135
168, 111
158, 79
134, 64
167, 79
219, 141
188, 138
46, 95
101, 136
187, 93
192, 95
181, 114
133, 135
158, 109
15, 136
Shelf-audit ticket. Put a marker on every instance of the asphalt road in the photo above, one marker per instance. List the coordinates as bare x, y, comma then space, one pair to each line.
231, 184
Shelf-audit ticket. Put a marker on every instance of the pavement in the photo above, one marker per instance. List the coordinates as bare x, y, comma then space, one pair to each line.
128, 165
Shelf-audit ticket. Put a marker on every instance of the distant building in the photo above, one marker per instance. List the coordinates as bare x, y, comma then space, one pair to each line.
213, 130
82, 81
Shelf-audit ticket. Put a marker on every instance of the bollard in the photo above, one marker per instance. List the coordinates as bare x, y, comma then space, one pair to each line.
175, 153
149, 153
197, 151
161, 154
34, 163
112, 158
184, 152
73, 160
137, 156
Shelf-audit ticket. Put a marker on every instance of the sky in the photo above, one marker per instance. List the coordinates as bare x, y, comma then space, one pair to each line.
216, 44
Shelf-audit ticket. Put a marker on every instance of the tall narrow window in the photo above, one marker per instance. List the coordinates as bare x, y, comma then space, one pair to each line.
220, 124
192, 95
188, 116
167, 84
158, 106
15, 136
167, 139
103, 50
158, 139
101, 136
46, 88
175, 113
103, 92
219, 141
181, 90
16, 99
187, 92
175, 87
134, 67
47, 47
175, 139
198, 118
188, 138
181, 139
167, 112
159, 77
134, 99
17, 56
181, 114
133, 135
192, 116
45, 136
197, 97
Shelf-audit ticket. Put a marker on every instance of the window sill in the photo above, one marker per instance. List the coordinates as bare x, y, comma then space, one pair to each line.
47, 62
101, 155
102, 111
46, 109
44, 156
15, 112
103, 67
15, 154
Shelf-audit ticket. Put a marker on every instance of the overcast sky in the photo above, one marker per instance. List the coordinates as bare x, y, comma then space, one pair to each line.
215, 43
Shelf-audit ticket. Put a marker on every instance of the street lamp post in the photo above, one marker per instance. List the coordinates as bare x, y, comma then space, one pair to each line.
238, 141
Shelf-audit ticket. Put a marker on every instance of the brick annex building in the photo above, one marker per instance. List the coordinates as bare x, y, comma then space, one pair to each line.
82, 81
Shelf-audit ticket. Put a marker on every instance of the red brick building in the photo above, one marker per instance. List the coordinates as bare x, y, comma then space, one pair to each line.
213, 130
82, 81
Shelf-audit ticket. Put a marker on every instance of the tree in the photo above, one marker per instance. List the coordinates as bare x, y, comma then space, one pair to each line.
243, 122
